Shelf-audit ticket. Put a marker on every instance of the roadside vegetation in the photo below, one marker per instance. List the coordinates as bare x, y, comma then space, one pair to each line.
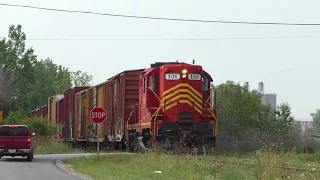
26, 82
43, 141
50, 146
265, 165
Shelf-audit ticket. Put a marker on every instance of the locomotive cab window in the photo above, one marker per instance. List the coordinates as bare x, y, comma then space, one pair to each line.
153, 82
144, 84
205, 83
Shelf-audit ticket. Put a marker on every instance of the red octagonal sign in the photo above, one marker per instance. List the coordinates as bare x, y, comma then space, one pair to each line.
98, 115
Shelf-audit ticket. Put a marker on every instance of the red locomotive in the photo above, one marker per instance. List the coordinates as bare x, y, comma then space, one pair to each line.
174, 105
147, 107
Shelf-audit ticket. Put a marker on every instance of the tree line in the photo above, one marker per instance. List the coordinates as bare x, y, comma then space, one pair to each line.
27, 81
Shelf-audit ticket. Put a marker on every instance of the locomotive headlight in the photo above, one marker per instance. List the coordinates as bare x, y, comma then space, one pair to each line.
184, 71
184, 76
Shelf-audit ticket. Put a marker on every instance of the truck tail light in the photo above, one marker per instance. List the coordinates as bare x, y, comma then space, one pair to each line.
29, 140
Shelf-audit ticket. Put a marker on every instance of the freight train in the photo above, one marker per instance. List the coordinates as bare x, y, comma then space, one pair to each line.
168, 105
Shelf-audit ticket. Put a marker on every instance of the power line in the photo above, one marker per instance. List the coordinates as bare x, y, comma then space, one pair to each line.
163, 18
177, 39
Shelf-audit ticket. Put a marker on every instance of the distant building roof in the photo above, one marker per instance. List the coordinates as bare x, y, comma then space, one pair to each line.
303, 119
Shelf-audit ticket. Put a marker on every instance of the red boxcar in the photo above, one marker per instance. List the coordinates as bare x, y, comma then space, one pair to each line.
68, 119
108, 107
121, 94
60, 116
42, 111
34, 113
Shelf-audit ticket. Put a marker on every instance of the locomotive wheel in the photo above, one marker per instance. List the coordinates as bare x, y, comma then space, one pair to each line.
177, 148
143, 144
203, 148
158, 147
135, 145
171, 147
163, 146
183, 148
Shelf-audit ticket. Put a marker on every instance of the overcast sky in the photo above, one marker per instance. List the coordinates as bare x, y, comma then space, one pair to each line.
287, 66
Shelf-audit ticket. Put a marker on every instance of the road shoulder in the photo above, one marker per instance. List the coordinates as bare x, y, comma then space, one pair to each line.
69, 170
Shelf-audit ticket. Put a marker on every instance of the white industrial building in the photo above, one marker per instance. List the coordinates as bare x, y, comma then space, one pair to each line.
270, 99
305, 123
267, 98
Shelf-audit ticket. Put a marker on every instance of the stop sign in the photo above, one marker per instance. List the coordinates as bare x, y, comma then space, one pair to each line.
98, 115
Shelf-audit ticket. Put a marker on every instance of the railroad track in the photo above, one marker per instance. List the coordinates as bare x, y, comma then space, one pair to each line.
285, 166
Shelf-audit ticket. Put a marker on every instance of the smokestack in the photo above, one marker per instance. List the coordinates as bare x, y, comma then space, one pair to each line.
193, 61
246, 85
261, 87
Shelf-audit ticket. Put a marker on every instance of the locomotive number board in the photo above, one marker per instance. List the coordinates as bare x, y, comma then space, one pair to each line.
176, 76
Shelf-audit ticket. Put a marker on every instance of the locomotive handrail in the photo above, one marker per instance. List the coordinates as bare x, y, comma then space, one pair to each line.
216, 120
210, 110
132, 110
155, 114
154, 124
132, 105
127, 124
154, 94
208, 99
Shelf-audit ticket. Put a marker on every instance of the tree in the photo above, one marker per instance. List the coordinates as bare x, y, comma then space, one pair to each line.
81, 79
239, 109
242, 115
63, 80
316, 119
25, 82
284, 120
18, 61
7, 87
50, 80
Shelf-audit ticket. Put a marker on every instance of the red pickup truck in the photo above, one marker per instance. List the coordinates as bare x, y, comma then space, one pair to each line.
15, 140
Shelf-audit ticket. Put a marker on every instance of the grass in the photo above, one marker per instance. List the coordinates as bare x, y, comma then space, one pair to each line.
44, 145
142, 166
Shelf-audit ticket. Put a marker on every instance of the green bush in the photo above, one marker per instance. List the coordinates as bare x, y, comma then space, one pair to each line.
15, 117
38, 126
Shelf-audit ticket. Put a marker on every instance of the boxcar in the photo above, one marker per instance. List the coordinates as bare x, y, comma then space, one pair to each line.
34, 112
81, 105
85, 130
43, 111
59, 116
40, 112
52, 119
122, 94
68, 117
98, 97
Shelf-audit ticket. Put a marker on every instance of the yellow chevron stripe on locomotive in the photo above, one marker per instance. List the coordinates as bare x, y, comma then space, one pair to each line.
183, 91
182, 85
192, 96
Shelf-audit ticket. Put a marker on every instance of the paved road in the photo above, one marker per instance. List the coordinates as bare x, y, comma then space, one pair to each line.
42, 167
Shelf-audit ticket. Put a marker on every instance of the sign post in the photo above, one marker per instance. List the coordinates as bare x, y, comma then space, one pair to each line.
98, 115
